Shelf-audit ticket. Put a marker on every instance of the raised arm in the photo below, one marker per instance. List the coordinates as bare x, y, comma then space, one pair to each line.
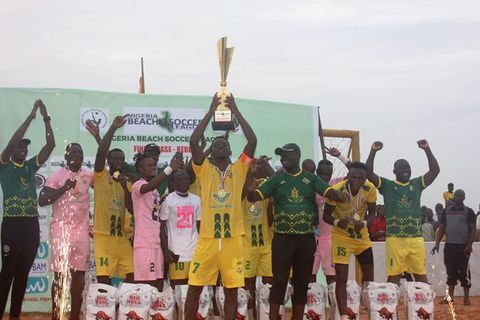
433, 167
18, 135
93, 127
47, 149
334, 152
104, 146
372, 177
197, 152
249, 149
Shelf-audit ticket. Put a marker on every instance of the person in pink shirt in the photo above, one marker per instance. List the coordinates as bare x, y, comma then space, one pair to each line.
147, 250
323, 232
67, 190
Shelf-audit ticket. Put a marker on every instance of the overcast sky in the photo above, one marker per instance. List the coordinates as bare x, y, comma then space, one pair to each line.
396, 71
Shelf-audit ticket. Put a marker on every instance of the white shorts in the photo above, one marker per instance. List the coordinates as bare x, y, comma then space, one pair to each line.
147, 264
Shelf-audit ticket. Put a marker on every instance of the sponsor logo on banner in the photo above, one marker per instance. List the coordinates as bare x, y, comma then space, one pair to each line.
89, 161
43, 168
37, 285
97, 115
151, 120
39, 267
57, 162
42, 251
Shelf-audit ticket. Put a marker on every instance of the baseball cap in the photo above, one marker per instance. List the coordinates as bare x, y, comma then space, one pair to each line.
289, 147
151, 146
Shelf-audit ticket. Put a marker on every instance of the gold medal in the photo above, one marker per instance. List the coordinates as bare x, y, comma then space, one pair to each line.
221, 193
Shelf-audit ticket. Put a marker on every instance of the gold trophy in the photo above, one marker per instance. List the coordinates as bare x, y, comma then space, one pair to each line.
223, 119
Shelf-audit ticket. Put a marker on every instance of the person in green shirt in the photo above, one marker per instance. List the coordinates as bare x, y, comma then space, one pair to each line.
404, 246
293, 244
20, 229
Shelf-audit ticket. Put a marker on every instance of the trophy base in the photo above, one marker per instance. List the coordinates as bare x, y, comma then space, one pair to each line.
223, 125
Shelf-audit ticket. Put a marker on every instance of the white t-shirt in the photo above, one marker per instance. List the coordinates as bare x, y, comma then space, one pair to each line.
181, 214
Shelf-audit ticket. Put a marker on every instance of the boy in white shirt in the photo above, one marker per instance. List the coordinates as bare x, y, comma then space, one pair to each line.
180, 223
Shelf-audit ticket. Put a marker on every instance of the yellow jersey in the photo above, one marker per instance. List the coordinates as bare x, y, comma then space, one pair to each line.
355, 208
195, 188
255, 221
221, 194
109, 205
447, 197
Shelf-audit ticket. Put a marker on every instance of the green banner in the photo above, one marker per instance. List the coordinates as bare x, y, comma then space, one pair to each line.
166, 120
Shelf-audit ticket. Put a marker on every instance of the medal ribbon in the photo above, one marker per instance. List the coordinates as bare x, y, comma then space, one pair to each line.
223, 176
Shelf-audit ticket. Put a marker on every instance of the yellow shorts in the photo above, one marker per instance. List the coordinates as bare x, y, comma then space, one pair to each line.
113, 256
343, 247
178, 270
257, 260
405, 255
213, 255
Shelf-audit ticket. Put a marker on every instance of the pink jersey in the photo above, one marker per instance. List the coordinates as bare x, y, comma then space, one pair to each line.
324, 228
147, 221
70, 220
70, 213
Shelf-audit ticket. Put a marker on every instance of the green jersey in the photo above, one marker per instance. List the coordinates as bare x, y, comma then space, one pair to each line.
402, 206
294, 200
18, 185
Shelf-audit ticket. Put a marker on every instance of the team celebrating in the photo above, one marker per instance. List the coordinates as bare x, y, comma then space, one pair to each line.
209, 221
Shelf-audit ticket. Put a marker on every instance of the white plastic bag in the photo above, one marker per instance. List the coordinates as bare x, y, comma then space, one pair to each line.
242, 310
316, 302
353, 300
382, 300
180, 298
134, 301
204, 303
419, 298
263, 306
220, 300
101, 300
162, 305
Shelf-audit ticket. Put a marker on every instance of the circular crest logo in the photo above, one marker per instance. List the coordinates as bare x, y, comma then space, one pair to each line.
98, 116
39, 181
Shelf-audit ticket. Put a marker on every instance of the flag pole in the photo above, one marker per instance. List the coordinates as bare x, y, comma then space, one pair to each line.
142, 79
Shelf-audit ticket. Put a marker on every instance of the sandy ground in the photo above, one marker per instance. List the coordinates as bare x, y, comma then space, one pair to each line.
471, 312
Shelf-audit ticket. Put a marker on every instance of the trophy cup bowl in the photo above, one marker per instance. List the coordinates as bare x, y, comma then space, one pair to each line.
223, 118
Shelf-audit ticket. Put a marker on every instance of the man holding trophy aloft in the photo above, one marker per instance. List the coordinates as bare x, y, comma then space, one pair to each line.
350, 233
219, 247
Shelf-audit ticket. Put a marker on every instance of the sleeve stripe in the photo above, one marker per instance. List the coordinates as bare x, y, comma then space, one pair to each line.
245, 158
37, 162
260, 193
423, 182
379, 183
